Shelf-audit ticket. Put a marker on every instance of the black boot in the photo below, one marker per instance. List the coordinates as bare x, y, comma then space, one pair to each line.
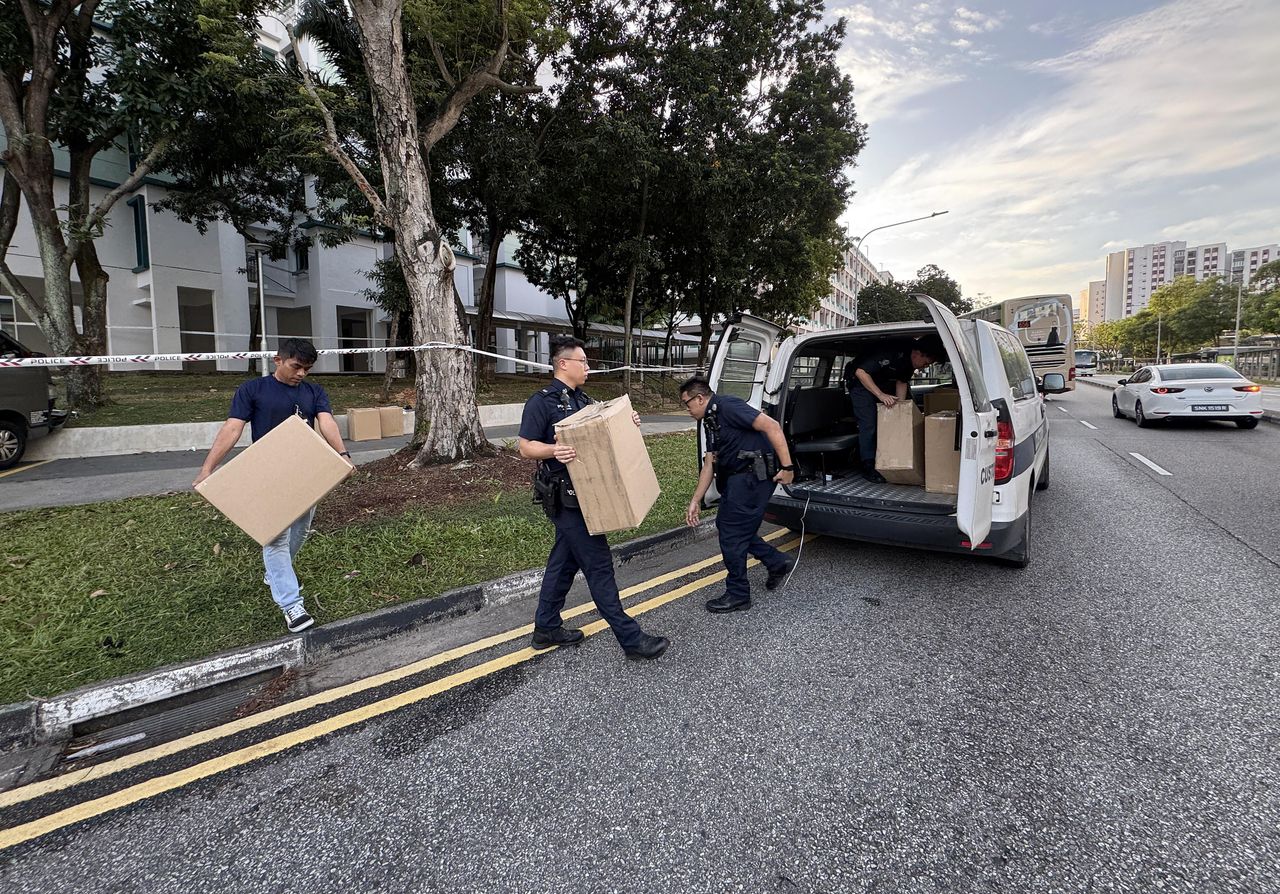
546, 637
722, 604
647, 647
776, 578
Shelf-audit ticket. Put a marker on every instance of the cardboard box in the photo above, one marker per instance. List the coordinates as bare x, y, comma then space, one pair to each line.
941, 458
276, 480
392, 421
364, 424
941, 399
613, 476
900, 443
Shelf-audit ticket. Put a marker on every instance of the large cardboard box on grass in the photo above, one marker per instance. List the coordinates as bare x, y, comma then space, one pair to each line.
391, 420
364, 424
900, 443
941, 399
941, 456
278, 478
612, 475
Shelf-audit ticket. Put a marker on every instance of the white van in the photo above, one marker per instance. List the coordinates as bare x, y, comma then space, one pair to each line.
1003, 438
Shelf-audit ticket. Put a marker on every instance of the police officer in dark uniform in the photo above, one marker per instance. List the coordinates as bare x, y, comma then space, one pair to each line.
574, 548
747, 455
882, 375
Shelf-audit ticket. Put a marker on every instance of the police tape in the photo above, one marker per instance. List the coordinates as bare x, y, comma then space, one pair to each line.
105, 359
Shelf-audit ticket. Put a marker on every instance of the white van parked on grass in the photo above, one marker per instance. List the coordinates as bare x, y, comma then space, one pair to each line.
1003, 438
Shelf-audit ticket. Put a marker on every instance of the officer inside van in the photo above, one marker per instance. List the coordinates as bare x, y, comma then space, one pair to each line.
882, 375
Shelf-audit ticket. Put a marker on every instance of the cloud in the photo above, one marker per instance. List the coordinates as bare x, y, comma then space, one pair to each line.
969, 21
1178, 95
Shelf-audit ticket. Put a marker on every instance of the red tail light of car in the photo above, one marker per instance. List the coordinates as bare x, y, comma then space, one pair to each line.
1250, 388
1004, 452
1163, 390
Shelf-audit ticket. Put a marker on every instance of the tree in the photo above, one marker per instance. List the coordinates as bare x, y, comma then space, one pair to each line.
72, 90
1262, 303
886, 303
424, 64
933, 281
392, 297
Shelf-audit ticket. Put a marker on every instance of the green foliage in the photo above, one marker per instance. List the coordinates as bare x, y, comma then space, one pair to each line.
886, 303
1262, 303
933, 281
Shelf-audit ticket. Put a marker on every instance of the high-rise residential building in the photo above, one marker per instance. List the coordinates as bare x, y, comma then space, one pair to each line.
840, 308
1201, 261
1134, 274
1093, 303
1246, 261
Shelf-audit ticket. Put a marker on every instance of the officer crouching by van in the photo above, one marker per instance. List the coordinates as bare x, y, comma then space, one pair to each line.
574, 548
747, 454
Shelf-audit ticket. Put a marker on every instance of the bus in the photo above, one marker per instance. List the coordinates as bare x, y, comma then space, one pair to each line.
1086, 362
1042, 324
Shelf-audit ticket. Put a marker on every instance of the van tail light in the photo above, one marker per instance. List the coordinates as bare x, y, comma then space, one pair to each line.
1252, 388
1004, 452
1071, 374
1167, 390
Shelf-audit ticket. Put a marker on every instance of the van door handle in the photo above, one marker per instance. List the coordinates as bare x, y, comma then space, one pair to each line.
988, 434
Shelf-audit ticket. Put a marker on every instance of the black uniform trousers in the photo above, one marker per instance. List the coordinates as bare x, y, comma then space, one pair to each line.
743, 500
576, 549
864, 410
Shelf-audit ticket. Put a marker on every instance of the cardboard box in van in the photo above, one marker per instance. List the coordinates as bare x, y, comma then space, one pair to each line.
900, 443
940, 399
941, 458
612, 475
364, 424
278, 478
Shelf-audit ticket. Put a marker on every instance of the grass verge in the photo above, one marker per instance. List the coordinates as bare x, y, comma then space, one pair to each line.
93, 592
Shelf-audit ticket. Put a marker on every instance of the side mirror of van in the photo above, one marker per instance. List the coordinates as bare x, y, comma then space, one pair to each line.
1054, 383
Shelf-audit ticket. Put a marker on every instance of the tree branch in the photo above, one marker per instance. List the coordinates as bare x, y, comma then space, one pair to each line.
444, 69
99, 213
331, 143
10, 205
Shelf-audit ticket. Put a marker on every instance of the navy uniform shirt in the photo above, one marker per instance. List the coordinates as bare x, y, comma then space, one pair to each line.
265, 402
730, 433
547, 407
887, 365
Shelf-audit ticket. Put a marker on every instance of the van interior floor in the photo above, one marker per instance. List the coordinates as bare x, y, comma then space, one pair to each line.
858, 491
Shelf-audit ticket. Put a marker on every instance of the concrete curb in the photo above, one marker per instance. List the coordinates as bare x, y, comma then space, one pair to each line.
121, 440
28, 724
1272, 416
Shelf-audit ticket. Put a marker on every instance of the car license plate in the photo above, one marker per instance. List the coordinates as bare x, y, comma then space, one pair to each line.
1209, 408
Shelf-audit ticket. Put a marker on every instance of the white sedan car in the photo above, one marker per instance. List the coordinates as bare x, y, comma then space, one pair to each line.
1199, 390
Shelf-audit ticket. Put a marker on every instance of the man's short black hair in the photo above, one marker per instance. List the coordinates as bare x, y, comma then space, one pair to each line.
297, 349
696, 386
563, 344
932, 347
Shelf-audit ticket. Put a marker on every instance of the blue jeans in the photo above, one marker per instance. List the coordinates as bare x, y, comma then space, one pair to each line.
277, 557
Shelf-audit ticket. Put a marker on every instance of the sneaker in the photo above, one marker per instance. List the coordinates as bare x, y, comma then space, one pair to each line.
297, 619
545, 638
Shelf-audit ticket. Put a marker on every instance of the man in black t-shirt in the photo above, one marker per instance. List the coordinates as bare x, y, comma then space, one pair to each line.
882, 375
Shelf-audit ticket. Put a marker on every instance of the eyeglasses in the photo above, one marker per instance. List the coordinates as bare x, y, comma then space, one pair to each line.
689, 401
583, 360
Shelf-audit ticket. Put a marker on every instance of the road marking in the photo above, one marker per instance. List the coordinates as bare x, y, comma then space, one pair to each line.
1146, 462
1063, 409
160, 784
168, 749
24, 468
1088, 425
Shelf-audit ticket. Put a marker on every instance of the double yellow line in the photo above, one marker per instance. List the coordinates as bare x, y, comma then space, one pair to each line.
213, 766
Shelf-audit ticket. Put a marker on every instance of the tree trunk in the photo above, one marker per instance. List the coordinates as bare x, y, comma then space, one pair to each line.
631, 284
484, 313
388, 374
85, 386
448, 422
704, 344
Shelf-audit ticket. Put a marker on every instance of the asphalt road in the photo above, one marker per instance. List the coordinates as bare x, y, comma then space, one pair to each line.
892, 721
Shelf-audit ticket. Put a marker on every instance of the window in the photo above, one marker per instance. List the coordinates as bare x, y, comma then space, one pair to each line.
141, 247
302, 255
1198, 371
1017, 368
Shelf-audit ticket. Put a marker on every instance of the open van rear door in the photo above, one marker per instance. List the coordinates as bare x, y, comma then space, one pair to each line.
978, 432
739, 366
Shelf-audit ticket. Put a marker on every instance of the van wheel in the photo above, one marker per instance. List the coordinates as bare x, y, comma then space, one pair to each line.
1140, 418
1042, 483
13, 443
1020, 555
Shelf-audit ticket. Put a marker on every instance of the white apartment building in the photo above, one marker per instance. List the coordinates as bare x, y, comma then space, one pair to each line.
1132, 275
1093, 302
840, 308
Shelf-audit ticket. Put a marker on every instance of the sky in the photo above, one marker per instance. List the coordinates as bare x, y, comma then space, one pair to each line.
1054, 133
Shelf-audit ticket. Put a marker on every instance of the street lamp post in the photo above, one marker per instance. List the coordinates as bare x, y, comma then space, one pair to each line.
258, 248
1235, 359
857, 280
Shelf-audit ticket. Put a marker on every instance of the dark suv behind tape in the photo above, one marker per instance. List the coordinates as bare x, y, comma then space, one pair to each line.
26, 403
